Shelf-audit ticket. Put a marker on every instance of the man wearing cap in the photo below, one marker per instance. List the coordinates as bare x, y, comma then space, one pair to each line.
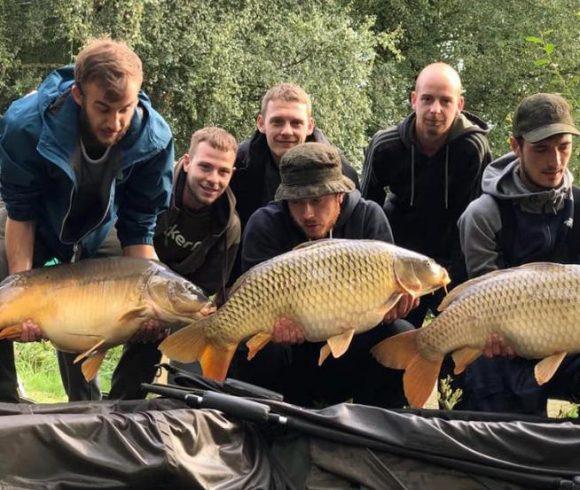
315, 201
528, 212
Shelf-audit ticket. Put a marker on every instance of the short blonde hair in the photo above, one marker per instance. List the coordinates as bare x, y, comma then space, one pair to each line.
108, 63
288, 92
217, 138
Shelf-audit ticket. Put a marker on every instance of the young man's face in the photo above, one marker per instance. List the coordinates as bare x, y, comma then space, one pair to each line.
316, 216
208, 175
437, 102
544, 162
285, 124
106, 121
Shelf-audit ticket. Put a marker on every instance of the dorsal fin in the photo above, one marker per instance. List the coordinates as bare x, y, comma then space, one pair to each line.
315, 243
456, 292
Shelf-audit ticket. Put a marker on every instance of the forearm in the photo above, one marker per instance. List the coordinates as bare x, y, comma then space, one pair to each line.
142, 251
19, 245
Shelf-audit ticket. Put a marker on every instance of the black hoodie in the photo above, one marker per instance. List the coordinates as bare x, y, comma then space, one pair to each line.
271, 230
210, 262
426, 195
256, 178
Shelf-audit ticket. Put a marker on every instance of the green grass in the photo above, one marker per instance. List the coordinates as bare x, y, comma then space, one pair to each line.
38, 373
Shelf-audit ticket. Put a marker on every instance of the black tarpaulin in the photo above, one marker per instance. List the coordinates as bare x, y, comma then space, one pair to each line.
162, 443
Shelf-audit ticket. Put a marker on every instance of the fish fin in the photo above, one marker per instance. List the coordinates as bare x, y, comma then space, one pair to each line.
390, 303
133, 314
419, 380
545, 369
464, 357
398, 351
457, 291
412, 288
187, 344
313, 243
257, 343
338, 344
215, 361
12, 332
324, 353
89, 352
91, 366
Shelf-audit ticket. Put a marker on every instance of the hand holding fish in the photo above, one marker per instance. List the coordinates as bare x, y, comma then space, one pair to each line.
30, 332
287, 331
495, 345
401, 309
151, 330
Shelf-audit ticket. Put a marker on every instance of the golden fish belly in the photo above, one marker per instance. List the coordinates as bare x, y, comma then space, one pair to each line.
327, 290
536, 310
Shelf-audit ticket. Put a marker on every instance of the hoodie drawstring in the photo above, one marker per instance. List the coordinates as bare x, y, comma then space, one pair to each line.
412, 175
447, 177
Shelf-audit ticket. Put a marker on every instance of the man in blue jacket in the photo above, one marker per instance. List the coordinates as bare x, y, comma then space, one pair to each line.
86, 151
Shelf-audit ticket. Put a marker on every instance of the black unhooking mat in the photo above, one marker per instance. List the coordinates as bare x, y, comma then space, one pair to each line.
207, 437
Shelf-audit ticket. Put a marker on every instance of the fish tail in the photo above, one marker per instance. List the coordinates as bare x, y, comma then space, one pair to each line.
190, 344
401, 352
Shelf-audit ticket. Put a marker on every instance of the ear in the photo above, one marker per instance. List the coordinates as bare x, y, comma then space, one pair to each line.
413, 99
341, 198
460, 104
261, 124
310, 128
77, 94
185, 162
515, 146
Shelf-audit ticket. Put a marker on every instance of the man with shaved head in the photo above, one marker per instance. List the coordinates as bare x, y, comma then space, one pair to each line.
426, 170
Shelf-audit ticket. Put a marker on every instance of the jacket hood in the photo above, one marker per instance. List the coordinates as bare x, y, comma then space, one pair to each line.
147, 135
351, 199
465, 124
501, 179
259, 144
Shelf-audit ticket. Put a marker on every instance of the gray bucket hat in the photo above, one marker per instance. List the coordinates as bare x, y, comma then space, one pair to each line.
311, 170
541, 116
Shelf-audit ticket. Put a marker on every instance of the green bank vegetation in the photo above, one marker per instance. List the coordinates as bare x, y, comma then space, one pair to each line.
210, 62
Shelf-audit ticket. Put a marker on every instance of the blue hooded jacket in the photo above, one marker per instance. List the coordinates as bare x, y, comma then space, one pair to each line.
38, 135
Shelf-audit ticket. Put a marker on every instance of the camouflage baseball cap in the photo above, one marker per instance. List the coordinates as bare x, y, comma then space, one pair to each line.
311, 170
540, 116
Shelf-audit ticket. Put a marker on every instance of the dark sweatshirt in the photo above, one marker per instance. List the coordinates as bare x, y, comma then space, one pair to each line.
426, 195
257, 177
211, 257
271, 230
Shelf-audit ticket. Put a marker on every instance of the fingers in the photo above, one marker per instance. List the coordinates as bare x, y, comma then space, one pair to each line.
286, 331
495, 345
405, 304
30, 331
151, 330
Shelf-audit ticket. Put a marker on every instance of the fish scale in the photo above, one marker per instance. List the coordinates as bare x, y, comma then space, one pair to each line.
537, 309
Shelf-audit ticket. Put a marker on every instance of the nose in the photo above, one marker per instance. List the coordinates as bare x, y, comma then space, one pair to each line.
308, 211
115, 122
435, 106
286, 129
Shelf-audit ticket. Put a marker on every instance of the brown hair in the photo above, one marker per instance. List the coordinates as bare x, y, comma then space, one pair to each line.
288, 92
108, 63
217, 138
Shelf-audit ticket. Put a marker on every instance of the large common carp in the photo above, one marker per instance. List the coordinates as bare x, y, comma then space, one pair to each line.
95, 304
333, 288
535, 307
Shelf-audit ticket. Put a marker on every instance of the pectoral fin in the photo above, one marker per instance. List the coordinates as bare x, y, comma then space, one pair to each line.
464, 357
12, 332
91, 366
391, 302
134, 314
257, 343
89, 352
338, 345
324, 353
546, 368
